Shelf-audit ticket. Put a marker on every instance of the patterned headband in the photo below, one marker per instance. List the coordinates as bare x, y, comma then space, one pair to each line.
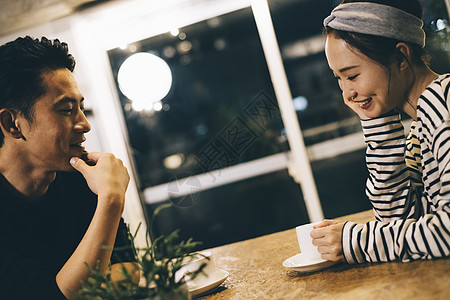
377, 19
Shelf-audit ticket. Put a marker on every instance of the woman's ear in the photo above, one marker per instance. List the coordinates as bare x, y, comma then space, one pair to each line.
403, 55
10, 124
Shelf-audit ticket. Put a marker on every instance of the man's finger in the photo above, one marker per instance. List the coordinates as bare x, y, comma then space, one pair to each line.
78, 164
93, 156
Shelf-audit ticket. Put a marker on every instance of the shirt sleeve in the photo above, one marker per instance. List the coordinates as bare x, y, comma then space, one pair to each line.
23, 278
388, 183
404, 240
390, 237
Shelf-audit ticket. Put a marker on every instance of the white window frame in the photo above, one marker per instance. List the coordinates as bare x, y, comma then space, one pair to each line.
115, 25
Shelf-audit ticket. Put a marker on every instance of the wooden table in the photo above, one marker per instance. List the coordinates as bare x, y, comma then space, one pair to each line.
256, 272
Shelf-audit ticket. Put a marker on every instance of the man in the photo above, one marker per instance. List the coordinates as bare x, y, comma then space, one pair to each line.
53, 219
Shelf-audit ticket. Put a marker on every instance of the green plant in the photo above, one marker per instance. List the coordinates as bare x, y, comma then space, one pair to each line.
158, 263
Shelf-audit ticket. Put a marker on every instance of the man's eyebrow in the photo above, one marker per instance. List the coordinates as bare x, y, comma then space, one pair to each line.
67, 100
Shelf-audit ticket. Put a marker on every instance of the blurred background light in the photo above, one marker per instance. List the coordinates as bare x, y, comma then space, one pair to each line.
157, 106
300, 103
145, 79
441, 24
174, 161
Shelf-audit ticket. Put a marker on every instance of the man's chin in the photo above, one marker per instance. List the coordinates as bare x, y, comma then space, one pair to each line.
67, 167
76, 151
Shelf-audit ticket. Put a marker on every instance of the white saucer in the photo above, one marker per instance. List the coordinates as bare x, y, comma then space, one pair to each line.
206, 284
300, 263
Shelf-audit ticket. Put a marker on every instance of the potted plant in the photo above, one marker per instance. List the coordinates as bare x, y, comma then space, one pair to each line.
158, 262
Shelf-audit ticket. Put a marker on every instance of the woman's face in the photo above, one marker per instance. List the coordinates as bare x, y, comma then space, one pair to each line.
368, 88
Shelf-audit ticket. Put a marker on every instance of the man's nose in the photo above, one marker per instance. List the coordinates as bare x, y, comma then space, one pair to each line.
82, 123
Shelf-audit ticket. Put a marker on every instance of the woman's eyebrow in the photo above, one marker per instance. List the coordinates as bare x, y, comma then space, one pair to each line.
346, 69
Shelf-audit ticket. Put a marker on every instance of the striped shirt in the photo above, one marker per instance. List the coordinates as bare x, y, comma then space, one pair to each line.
411, 203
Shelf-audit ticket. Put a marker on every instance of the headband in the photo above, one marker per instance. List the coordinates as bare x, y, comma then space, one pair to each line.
377, 19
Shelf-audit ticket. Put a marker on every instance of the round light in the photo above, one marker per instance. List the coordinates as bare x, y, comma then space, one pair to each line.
144, 77
440, 24
157, 106
174, 161
300, 103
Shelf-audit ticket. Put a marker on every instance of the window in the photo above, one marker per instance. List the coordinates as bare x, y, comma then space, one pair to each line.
216, 145
220, 124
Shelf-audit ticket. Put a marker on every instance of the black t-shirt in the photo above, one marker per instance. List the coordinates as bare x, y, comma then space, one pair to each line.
37, 238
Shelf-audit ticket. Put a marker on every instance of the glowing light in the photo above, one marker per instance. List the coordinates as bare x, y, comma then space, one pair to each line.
145, 79
440, 24
132, 48
184, 46
214, 22
220, 44
169, 51
300, 103
174, 32
157, 106
174, 161
166, 107
139, 105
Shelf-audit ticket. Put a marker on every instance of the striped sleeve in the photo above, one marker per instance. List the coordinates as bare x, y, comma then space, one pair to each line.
388, 182
403, 240
429, 236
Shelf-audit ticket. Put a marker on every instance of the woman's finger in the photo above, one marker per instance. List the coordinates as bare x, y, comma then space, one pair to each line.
324, 223
332, 257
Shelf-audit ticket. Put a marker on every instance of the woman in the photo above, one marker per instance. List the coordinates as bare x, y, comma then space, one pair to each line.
375, 50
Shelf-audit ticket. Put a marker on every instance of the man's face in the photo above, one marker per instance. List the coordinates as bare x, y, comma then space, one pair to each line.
57, 130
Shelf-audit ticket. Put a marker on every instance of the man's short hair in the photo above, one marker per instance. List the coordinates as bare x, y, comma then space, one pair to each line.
22, 63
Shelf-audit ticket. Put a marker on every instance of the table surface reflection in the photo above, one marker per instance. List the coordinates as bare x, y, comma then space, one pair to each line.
256, 272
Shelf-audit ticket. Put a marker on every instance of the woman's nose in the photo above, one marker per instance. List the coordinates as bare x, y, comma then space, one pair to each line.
349, 94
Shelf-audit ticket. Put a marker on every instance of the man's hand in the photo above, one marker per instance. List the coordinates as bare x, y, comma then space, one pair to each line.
107, 178
327, 236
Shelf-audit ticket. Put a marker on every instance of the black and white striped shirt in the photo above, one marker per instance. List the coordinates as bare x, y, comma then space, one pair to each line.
407, 227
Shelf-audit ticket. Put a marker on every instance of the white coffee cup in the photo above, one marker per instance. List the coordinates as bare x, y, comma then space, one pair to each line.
305, 241
194, 263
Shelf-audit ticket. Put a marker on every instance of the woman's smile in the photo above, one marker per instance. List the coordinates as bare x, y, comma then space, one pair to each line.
364, 104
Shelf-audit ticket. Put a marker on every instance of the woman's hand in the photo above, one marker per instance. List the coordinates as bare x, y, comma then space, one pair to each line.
327, 236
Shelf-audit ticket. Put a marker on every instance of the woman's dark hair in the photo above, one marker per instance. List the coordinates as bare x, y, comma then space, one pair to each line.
382, 49
22, 63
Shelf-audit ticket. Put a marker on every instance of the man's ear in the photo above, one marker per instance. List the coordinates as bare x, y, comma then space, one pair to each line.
403, 55
9, 124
